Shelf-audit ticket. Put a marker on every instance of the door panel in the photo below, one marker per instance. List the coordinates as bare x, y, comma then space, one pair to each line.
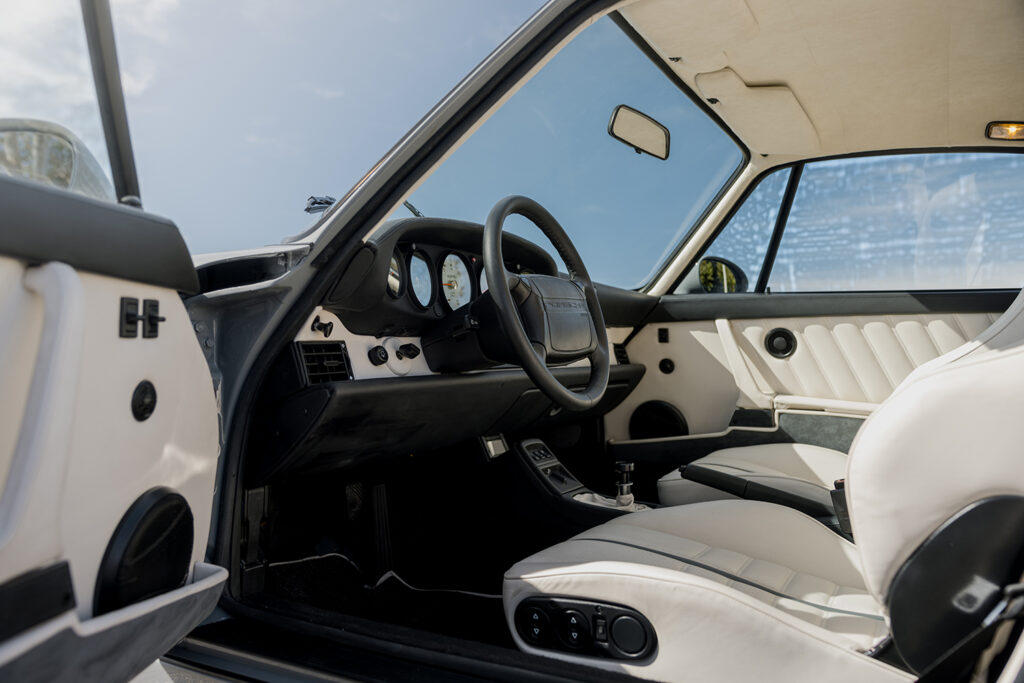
852, 358
91, 421
842, 364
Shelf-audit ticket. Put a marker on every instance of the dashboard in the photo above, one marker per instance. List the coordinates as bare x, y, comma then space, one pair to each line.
356, 383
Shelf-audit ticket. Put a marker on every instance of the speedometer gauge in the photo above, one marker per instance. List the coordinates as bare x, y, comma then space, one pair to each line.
455, 281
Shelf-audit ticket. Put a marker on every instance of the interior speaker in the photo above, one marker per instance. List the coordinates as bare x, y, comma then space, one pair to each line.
149, 553
657, 420
780, 343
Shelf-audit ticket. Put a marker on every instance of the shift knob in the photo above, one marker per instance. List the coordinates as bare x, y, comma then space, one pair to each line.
624, 482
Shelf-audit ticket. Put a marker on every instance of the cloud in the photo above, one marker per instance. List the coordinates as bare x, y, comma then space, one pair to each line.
144, 18
322, 91
271, 142
46, 69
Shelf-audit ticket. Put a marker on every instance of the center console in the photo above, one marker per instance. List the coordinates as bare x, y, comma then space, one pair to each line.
558, 480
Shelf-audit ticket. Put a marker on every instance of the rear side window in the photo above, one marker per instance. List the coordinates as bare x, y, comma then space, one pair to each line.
50, 129
905, 222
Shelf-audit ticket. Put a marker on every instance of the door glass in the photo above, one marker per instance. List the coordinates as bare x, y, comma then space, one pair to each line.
50, 130
744, 240
903, 222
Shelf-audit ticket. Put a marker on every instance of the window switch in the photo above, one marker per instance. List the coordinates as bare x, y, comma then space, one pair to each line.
600, 629
663, 335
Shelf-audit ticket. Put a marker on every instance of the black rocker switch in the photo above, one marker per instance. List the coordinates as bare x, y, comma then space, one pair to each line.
151, 318
378, 355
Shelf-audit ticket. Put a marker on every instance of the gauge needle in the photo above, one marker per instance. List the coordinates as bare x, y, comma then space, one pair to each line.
448, 284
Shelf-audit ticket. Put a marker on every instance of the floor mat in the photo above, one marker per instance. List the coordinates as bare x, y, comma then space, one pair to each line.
333, 582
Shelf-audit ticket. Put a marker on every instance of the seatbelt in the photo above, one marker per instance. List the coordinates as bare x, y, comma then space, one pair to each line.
959, 661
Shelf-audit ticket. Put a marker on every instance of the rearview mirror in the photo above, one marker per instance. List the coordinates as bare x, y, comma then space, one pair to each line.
639, 131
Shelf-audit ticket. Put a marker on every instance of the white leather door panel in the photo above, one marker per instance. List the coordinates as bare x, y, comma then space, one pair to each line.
854, 358
842, 364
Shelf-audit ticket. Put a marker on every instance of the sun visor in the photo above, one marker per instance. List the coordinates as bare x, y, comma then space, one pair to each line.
768, 118
694, 32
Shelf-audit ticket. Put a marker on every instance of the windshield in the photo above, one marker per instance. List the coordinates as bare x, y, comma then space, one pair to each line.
624, 211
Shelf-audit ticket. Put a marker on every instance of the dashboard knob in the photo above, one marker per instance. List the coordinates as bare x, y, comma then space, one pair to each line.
378, 355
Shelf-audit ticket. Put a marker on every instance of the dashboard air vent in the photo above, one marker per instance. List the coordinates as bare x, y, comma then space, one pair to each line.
325, 362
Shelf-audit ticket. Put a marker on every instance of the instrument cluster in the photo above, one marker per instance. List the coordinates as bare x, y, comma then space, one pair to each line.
429, 276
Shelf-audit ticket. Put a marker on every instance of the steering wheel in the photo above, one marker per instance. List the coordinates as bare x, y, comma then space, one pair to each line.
548, 319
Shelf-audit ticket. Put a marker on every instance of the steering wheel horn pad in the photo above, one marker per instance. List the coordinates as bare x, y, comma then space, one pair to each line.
546, 318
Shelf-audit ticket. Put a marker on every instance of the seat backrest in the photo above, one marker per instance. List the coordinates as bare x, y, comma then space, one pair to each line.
951, 435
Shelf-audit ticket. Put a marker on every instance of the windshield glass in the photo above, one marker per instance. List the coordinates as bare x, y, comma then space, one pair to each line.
624, 211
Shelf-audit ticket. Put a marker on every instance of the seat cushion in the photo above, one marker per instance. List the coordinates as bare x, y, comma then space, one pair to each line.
744, 579
802, 469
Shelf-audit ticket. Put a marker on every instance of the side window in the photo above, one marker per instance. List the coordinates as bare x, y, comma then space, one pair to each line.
905, 222
50, 130
733, 261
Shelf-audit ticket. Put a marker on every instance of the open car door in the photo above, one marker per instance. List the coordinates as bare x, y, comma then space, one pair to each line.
108, 419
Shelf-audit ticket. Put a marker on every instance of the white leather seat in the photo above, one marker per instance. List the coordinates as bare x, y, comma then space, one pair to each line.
800, 468
742, 590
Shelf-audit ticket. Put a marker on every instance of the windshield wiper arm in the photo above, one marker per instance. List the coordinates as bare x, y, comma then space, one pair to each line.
318, 204
415, 212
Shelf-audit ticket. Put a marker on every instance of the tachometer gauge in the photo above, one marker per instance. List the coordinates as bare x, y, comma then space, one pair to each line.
395, 277
455, 281
483, 280
420, 281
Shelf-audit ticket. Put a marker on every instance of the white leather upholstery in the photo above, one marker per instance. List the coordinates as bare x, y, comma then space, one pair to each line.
840, 364
854, 358
711, 627
798, 468
950, 435
741, 590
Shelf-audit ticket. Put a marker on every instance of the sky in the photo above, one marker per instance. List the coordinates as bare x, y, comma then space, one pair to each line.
240, 110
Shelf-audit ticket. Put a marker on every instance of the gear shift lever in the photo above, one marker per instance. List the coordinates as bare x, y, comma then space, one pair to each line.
624, 484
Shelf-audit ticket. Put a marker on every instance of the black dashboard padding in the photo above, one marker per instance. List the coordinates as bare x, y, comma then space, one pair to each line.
624, 307
355, 280
360, 297
366, 418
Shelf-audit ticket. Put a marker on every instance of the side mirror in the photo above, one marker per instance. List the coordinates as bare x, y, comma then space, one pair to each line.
720, 276
639, 131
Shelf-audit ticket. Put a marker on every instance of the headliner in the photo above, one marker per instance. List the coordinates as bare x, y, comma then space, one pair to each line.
808, 78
